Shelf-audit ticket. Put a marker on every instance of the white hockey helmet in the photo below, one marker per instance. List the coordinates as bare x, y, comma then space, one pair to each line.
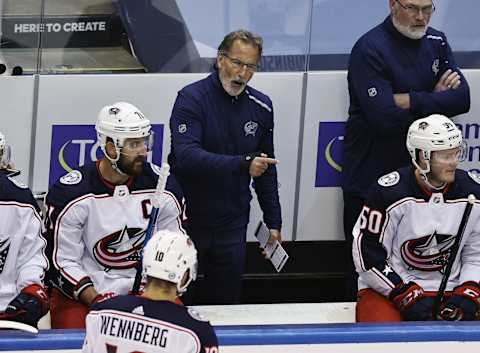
168, 256
4, 152
433, 133
119, 122
2, 141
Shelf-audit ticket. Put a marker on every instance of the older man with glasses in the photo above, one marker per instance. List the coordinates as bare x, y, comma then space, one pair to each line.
222, 137
399, 71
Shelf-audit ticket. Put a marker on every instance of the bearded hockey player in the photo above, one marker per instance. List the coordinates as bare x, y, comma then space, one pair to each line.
22, 257
153, 321
404, 236
97, 217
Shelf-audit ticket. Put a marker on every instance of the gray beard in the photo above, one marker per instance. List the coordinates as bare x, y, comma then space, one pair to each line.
406, 31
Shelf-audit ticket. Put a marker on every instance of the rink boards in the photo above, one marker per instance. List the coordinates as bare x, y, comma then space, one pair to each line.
292, 328
320, 338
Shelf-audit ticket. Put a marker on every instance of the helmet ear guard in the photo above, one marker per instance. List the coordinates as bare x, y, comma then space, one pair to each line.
170, 256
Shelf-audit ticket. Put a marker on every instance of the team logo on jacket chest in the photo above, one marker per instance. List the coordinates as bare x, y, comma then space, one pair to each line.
250, 128
4, 247
429, 253
120, 250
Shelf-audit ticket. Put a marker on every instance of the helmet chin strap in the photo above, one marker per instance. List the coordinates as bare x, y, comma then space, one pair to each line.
425, 179
117, 168
114, 162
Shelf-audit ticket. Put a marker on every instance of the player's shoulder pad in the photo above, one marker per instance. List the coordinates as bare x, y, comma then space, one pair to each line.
18, 183
389, 179
196, 315
475, 177
262, 100
435, 35
72, 178
14, 190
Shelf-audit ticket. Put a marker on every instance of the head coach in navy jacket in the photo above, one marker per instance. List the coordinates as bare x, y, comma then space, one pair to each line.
222, 137
399, 71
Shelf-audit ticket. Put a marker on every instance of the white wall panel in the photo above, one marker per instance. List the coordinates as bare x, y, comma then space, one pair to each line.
320, 211
16, 119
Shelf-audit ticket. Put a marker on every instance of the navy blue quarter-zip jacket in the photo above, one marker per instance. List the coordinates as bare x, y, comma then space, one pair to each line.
211, 134
384, 62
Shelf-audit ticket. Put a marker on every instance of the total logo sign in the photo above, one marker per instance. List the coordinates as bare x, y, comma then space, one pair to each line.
74, 145
329, 154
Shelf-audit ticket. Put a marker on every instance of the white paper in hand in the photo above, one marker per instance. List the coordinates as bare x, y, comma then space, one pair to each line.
262, 234
275, 251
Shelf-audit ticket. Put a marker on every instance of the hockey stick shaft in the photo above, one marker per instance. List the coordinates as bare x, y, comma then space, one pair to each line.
162, 182
453, 256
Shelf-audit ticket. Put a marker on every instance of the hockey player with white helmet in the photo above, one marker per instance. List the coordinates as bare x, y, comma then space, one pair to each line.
5, 153
406, 234
170, 265
97, 217
22, 249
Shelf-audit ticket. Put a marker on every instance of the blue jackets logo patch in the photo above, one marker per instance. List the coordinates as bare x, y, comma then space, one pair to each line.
250, 128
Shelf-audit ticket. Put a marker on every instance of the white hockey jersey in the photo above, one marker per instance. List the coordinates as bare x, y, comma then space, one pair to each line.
126, 324
22, 249
96, 230
406, 233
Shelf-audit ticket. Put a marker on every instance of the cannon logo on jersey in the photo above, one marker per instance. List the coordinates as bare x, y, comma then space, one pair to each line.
4, 247
428, 253
120, 250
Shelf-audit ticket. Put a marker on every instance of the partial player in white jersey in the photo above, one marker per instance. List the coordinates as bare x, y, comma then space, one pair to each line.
153, 322
405, 235
22, 251
96, 217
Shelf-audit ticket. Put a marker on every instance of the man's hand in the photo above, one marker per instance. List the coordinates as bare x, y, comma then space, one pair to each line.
402, 100
259, 165
449, 80
274, 235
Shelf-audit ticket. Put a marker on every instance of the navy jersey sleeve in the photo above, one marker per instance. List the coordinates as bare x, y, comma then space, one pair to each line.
450, 102
208, 339
368, 76
186, 126
266, 186
373, 237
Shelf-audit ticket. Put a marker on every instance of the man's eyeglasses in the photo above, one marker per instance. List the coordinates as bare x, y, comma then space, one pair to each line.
414, 10
238, 64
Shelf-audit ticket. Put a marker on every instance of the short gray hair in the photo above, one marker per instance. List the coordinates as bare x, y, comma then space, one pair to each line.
243, 35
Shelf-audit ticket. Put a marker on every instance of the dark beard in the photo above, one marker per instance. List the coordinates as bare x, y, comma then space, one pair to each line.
128, 168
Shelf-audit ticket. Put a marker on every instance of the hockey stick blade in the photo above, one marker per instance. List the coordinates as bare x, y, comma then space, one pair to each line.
162, 182
453, 256
7, 324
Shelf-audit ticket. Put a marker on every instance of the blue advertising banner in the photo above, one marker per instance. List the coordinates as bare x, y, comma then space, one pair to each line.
74, 145
329, 154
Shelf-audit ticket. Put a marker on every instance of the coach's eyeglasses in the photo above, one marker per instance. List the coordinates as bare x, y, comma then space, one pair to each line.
238, 64
414, 10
